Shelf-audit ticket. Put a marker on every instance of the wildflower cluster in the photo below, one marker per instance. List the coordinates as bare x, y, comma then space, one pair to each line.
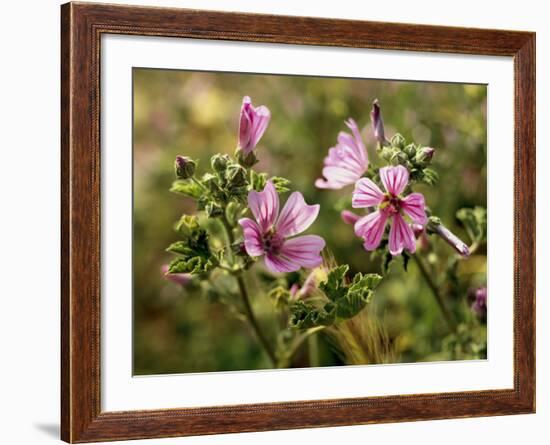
240, 219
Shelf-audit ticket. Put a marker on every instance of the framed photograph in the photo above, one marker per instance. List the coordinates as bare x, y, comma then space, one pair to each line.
275, 222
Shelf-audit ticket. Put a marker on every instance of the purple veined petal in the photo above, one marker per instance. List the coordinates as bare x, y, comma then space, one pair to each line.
252, 237
304, 250
340, 175
347, 153
395, 179
264, 206
371, 229
360, 146
366, 194
401, 236
245, 125
260, 122
296, 216
415, 206
278, 263
322, 183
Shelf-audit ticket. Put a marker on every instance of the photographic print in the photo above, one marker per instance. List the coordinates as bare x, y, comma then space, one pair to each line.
291, 221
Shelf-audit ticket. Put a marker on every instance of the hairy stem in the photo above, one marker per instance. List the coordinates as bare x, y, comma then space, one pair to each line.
435, 291
245, 298
253, 322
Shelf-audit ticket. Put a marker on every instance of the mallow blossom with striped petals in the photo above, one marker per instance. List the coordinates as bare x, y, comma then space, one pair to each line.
252, 125
272, 235
346, 162
389, 206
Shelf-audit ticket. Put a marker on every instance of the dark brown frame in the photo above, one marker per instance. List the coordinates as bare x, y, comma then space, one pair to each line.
82, 25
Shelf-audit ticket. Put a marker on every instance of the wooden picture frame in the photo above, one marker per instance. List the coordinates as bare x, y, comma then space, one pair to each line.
82, 25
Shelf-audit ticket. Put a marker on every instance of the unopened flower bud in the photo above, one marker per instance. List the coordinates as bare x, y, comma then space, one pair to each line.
377, 123
183, 279
424, 155
410, 151
211, 182
398, 141
435, 226
246, 159
478, 297
399, 158
236, 175
349, 217
219, 162
185, 167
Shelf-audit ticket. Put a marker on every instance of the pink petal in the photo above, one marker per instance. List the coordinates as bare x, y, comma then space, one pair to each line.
366, 194
339, 177
259, 124
296, 216
395, 179
252, 237
401, 236
360, 149
182, 279
304, 250
277, 263
371, 229
415, 207
264, 206
349, 217
245, 125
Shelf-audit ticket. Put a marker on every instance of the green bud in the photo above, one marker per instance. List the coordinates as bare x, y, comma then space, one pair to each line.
410, 150
399, 158
212, 210
387, 153
219, 162
236, 175
211, 182
424, 156
398, 141
246, 159
184, 167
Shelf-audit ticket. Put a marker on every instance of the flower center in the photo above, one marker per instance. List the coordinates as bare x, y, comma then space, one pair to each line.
272, 242
391, 203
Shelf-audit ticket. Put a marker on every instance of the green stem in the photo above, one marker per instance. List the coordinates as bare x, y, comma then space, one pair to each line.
253, 322
313, 351
245, 298
435, 291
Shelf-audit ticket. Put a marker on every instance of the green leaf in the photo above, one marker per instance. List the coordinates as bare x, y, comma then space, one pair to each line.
346, 300
187, 188
334, 287
194, 254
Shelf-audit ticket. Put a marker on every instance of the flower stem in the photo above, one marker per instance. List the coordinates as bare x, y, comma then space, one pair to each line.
435, 291
245, 298
252, 320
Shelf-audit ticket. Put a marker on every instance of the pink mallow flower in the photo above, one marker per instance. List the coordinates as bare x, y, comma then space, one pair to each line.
390, 205
346, 162
271, 233
252, 125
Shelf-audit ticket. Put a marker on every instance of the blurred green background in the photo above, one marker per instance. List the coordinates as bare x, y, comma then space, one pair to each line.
196, 114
